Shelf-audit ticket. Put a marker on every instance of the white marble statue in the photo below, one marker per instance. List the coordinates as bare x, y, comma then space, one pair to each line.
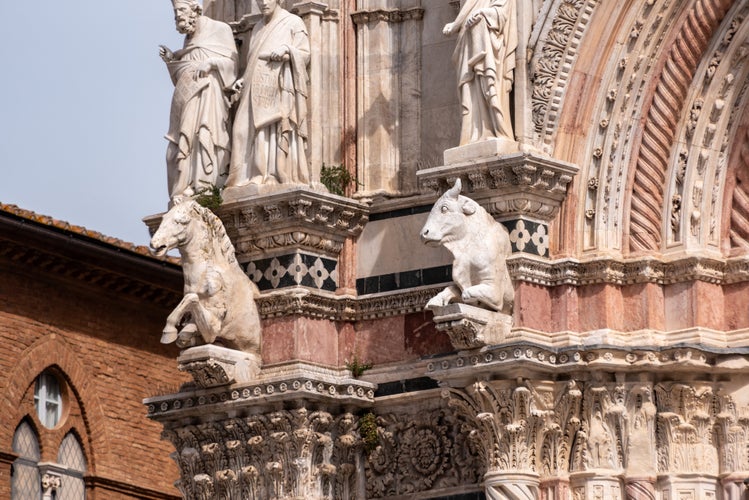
485, 61
219, 301
479, 245
270, 124
199, 125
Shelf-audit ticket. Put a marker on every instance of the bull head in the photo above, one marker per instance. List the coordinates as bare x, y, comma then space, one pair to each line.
446, 221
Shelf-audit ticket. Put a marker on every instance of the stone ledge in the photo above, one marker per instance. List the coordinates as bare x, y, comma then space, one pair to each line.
597, 270
275, 385
526, 359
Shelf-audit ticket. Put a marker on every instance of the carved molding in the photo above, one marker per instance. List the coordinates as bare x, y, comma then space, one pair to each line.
388, 16
273, 386
739, 213
553, 61
521, 184
537, 270
662, 118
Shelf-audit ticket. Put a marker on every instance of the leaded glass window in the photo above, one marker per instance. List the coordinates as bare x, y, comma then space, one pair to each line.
25, 482
71, 456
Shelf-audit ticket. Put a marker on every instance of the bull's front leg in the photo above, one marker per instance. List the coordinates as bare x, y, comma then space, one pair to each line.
169, 334
444, 297
482, 293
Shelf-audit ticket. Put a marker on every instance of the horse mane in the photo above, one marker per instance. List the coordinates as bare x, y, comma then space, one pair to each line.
218, 230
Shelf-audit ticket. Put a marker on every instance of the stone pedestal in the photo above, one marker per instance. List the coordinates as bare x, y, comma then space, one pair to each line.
488, 149
293, 236
695, 486
521, 190
471, 327
213, 366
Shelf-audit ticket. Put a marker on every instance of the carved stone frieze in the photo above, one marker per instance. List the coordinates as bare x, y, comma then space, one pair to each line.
422, 452
292, 219
387, 15
519, 184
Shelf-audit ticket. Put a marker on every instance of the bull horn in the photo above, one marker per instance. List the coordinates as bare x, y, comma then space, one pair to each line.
454, 191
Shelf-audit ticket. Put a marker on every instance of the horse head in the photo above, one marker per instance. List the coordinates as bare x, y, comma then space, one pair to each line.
175, 228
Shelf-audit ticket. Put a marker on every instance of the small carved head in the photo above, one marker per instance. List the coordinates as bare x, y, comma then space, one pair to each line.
447, 219
186, 14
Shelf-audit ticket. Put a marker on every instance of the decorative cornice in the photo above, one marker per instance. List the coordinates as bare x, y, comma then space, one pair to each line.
527, 357
78, 265
272, 388
516, 184
389, 16
297, 218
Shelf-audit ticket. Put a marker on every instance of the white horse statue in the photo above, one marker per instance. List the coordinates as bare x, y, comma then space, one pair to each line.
219, 301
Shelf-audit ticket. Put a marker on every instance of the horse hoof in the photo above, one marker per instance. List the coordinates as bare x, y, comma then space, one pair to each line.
167, 337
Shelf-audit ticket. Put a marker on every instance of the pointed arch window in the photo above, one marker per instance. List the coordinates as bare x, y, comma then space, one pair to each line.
26, 481
71, 457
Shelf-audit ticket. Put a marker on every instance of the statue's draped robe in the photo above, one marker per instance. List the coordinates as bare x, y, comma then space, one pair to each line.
485, 61
199, 130
270, 125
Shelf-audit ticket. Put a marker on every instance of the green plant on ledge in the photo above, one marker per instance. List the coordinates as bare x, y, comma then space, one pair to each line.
210, 198
336, 179
368, 432
358, 367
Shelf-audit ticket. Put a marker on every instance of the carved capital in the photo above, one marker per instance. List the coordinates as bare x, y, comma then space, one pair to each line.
518, 184
300, 453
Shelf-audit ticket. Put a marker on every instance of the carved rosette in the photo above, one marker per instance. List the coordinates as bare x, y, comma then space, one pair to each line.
522, 190
422, 452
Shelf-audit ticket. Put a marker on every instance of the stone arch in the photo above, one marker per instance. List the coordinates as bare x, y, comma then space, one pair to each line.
32, 362
662, 112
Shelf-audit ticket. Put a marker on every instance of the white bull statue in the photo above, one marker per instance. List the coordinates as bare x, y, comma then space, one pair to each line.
480, 247
219, 301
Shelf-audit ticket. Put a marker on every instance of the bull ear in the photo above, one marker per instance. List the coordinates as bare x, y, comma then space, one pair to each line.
454, 191
469, 207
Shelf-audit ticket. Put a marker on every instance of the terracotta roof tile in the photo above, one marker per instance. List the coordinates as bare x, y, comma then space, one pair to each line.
82, 231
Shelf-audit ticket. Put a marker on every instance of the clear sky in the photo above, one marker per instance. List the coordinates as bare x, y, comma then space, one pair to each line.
84, 106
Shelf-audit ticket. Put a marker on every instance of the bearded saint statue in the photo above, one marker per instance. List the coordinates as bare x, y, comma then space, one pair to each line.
203, 72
